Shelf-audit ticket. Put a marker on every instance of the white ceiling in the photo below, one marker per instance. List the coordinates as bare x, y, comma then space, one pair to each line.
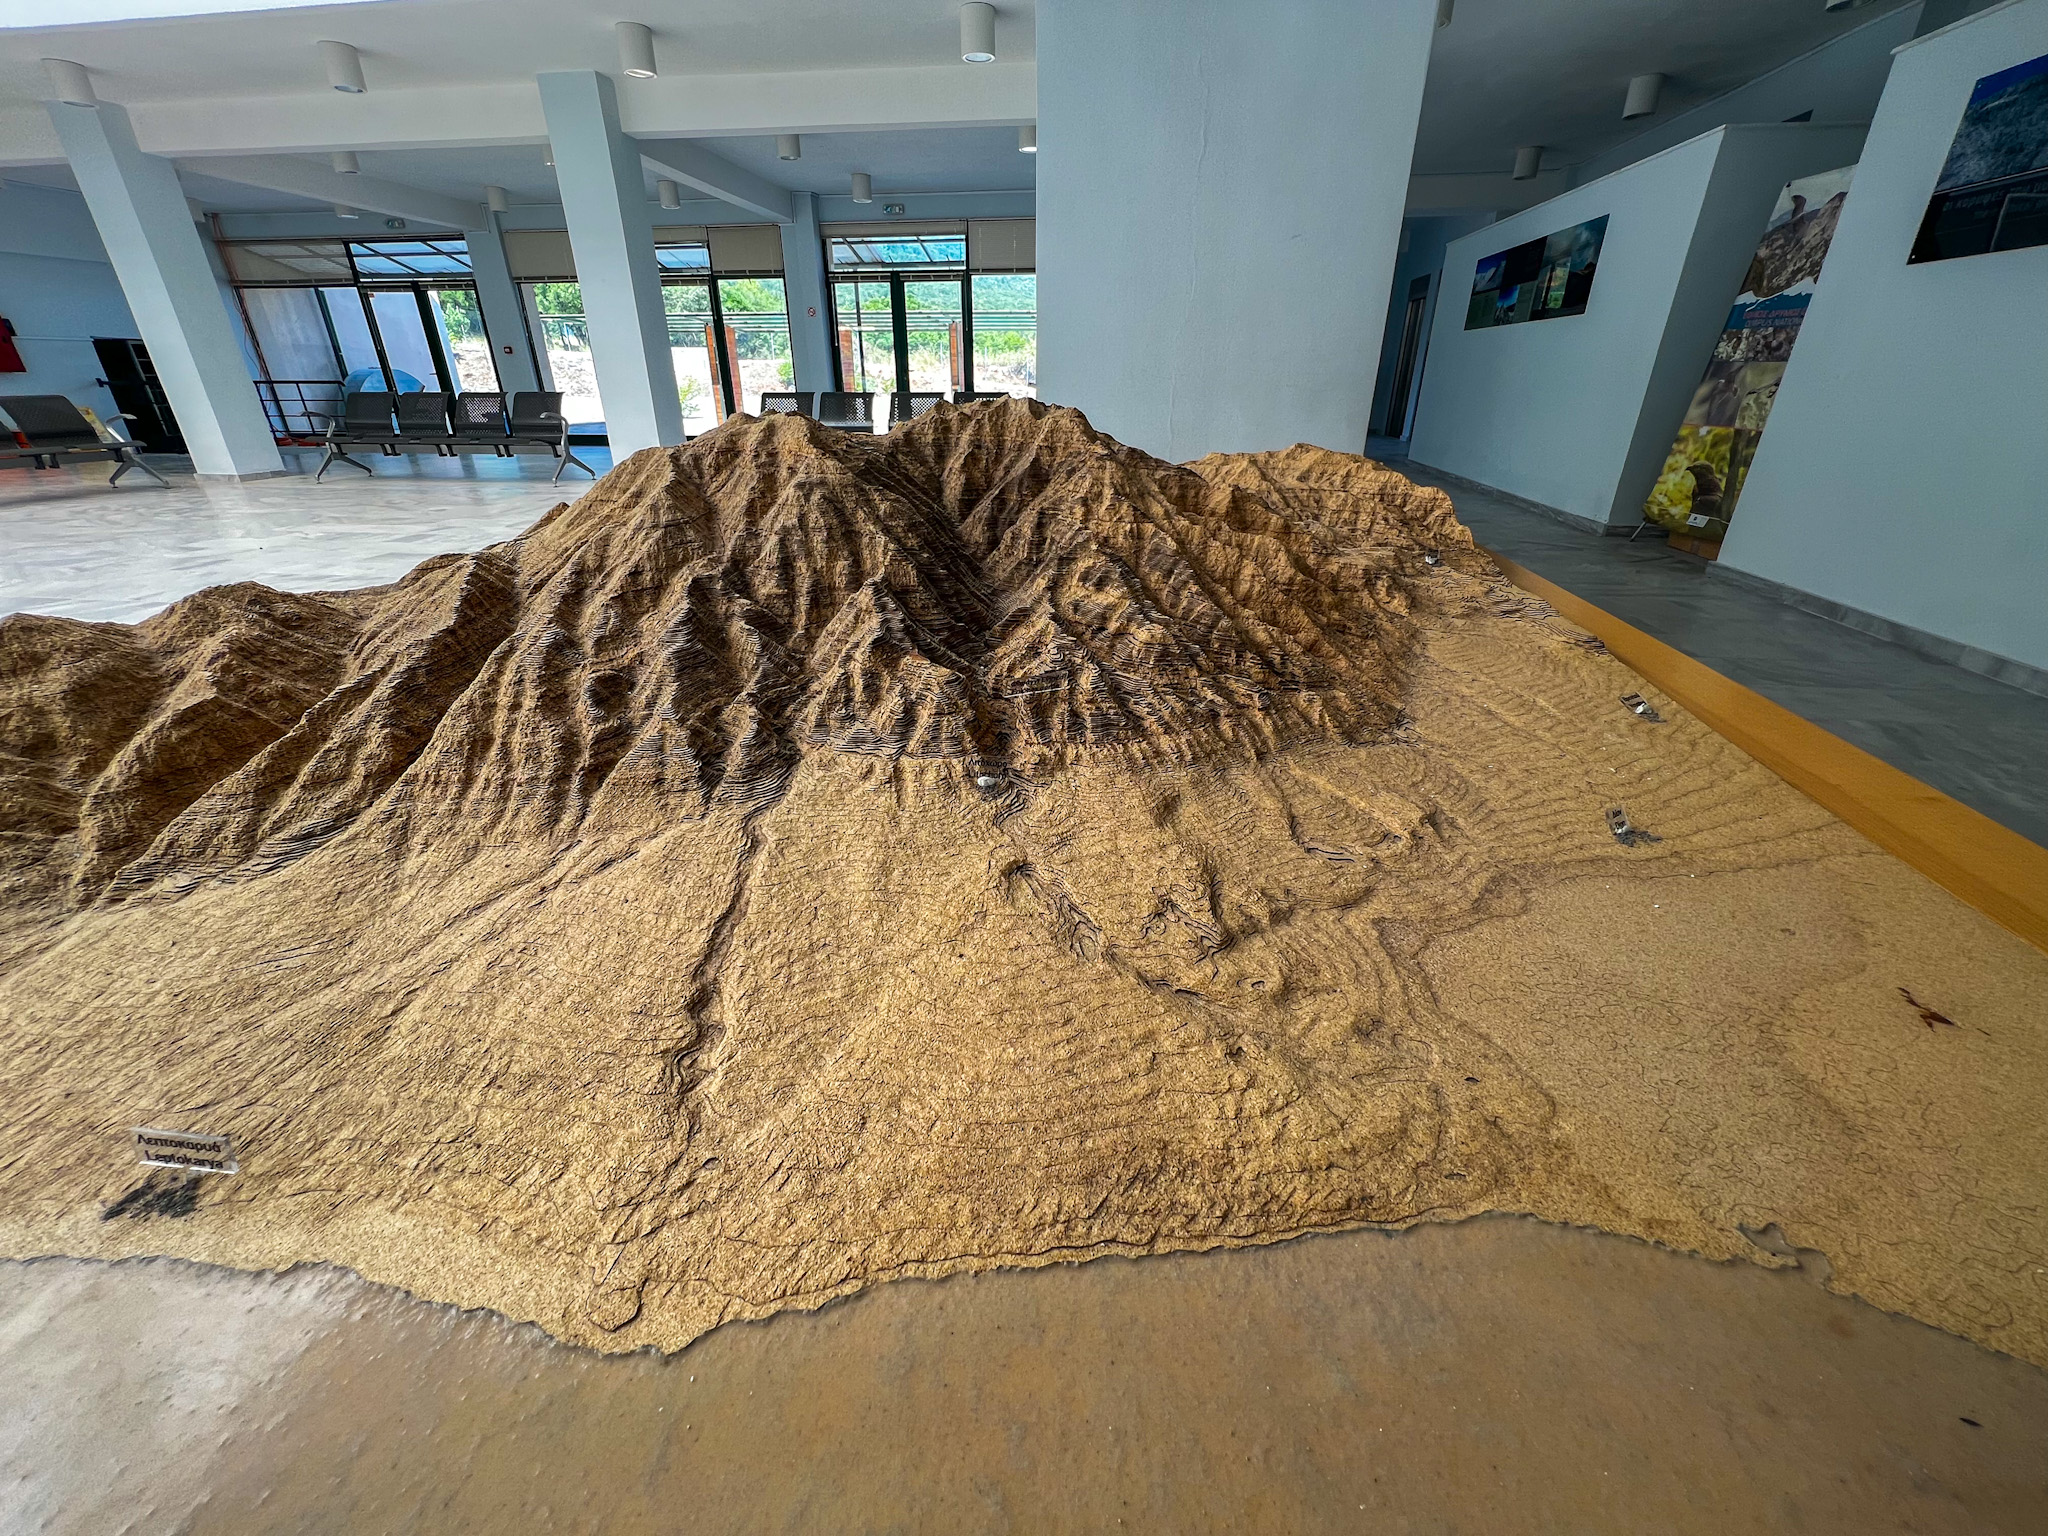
1505, 72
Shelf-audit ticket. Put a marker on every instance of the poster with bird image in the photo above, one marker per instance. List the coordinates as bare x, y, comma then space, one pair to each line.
1702, 477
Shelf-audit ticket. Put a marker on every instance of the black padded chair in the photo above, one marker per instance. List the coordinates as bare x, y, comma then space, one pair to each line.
57, 430
478, 421
365, 422
909, 407
788, 402
848, 410
969, 396
537, 419
423, 421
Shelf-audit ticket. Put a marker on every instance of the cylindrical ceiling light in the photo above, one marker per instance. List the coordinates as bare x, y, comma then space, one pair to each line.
863, 187
1528, 161
346, 163
977, 33
344, 67
670, 194
1443, 12
495, 199
789, 146
73, 82
1027, 139
1642, 96
343, 211
547, 156
636, 50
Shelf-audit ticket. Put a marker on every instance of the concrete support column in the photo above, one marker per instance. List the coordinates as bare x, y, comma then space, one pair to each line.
611, 231
161, 262
803, 278
497, 295
1220, 191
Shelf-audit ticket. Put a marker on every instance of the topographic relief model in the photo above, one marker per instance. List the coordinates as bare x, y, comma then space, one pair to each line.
811, 859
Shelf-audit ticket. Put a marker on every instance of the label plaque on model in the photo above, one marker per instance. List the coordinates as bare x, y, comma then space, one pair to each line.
189, 1150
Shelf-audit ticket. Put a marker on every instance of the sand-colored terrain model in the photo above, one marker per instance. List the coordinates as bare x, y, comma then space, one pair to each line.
810, 859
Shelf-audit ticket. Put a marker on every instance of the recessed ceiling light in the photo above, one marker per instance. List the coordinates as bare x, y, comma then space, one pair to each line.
789, 146
636, 50
73, 82
863, 187
978, 33
1027, 139
344, 67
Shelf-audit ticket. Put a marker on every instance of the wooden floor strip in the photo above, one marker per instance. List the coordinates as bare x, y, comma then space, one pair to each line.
1991, 867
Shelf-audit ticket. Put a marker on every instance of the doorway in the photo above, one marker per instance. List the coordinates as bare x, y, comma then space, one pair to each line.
130, 377
1404, 359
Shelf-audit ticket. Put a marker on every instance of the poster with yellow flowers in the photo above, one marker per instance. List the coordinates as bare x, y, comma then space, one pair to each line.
1702, 477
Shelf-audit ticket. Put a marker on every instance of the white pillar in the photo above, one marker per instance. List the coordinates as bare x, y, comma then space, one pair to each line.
611, 231
146, 226
1220, 192
497, 296
803, 287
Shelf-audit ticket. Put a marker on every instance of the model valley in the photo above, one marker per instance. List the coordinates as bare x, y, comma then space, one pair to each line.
808, 859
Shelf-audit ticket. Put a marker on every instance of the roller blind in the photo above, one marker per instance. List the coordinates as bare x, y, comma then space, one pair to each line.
746, 248
1002, 245
540, 255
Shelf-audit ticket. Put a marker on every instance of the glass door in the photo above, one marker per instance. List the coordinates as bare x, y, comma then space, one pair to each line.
755, 314
933, 321
866, 333
693, 348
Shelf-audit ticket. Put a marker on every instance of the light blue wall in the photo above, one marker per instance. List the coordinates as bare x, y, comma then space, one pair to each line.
1577, 413
1427, 238
1220, 191
1901, 474
57, 287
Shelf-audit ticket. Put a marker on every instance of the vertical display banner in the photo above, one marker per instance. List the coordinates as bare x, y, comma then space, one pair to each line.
1697, 489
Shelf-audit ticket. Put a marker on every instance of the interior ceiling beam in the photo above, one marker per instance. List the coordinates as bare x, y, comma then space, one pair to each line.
302, 178
508, 112
695, 166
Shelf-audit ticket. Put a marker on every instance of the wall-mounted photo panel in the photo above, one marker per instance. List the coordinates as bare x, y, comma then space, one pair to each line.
1702, 478
1992, 194
1538, 279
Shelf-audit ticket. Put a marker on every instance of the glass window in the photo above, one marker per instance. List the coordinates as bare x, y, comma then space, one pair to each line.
291, 333
757, 336
1006, 332
463, 341
410, 258
565, 339
882, 252
352, 333
406, 348
683, 258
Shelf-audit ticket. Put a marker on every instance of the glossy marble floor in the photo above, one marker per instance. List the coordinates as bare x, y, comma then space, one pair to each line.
71, 544
1980, 741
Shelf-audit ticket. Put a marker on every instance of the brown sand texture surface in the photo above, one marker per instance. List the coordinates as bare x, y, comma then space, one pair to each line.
810, 859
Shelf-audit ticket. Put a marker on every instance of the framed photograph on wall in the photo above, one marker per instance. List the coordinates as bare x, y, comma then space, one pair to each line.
1543, 279
1992, 194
